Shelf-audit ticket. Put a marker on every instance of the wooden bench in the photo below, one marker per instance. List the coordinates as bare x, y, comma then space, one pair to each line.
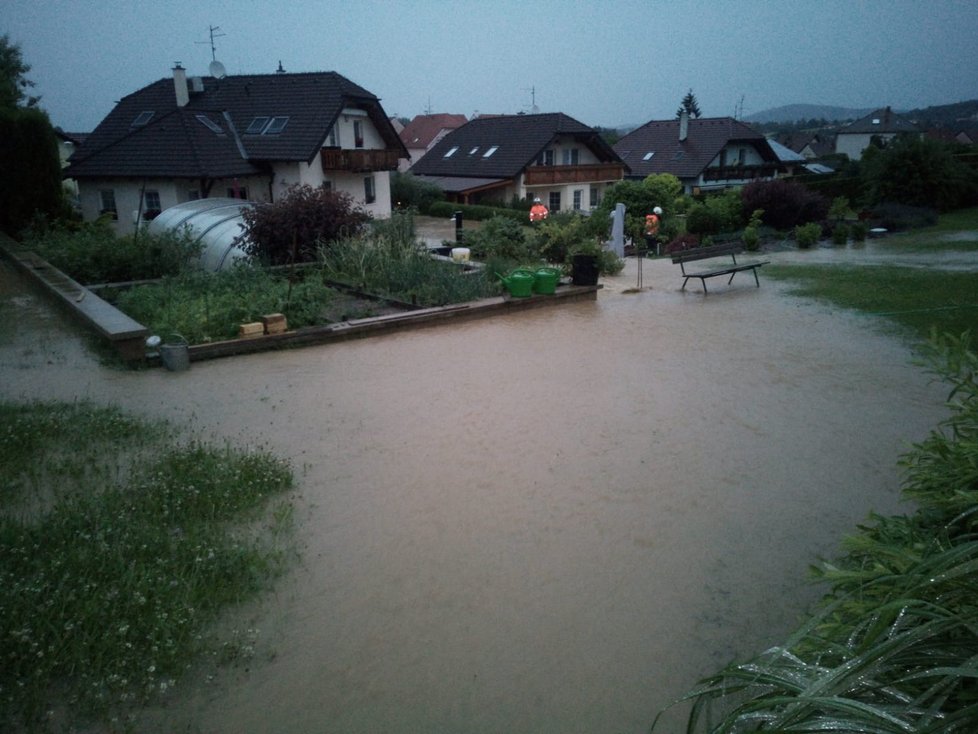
702, 253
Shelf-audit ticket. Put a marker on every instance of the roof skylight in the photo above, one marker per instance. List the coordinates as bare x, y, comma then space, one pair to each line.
648, 156
451, 152
275, 126
489, 152
142, 118
209, 124
256, 126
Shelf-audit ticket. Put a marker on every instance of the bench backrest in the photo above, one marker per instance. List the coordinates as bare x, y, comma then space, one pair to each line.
702, 253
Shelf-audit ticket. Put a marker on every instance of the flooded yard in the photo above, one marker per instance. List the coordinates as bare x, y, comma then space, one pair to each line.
555, 521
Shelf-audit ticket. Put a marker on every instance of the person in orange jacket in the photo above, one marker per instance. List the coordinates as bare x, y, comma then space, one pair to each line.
652, 228
538, 212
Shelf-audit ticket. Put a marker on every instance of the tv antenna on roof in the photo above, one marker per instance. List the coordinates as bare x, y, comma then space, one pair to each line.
216, 68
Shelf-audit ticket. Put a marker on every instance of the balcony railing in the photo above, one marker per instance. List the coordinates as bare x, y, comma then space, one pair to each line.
739, 173
553, 175
358, 161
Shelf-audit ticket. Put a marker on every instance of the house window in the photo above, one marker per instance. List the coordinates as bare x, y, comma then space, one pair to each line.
143, 118
256, 126
474, 150
741, 156
451, 152
578, 198
369, 192
595, 197
333, 141
571, 156
648, 156
107, 197
546, 158
357, 134
554, 204
238, 192
151, 204
491, 150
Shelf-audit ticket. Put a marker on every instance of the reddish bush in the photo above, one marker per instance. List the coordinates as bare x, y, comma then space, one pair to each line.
786, 204
290, 229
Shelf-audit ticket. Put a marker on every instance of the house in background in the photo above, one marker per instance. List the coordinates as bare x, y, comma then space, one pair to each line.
704, 154
247, 137
882, 125
810, 145
68, 143
424, 131
549, 156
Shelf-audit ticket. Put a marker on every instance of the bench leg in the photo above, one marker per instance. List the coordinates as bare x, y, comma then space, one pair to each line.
730, 280
703, 281
756, 281
685, 281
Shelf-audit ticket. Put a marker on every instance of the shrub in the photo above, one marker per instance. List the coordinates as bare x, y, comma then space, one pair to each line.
752, 235
840, 234
92, 253
556, 238
898, 217
407, 190
785, 204
920, 173
500, 237
806, 235
476, 212
290, 229
857, 230
715, 214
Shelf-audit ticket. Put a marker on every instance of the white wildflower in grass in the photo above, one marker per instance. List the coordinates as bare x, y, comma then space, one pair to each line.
148, 557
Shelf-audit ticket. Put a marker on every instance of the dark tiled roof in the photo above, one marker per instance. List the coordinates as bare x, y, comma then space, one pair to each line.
519, 139
422, 129
883, 120
175, 143
706, 137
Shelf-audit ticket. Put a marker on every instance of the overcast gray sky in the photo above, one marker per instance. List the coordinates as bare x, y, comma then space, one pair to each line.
606, 63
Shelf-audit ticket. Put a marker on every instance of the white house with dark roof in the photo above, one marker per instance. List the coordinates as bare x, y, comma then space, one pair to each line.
882, 124
703, 153
550, 156
249, 137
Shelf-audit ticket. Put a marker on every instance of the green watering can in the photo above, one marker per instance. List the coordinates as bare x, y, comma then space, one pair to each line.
519, 283
545, 280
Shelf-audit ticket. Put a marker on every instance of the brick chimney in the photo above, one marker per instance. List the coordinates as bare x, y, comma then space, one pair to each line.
180, 85
683, 126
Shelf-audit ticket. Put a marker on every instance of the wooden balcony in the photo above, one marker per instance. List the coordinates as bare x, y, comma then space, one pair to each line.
555, 175
739, 173
358, 161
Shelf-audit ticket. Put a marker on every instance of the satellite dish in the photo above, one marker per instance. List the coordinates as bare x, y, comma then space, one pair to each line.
217, 70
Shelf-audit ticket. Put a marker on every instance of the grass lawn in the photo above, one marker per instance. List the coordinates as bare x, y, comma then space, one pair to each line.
121, 544
915, 299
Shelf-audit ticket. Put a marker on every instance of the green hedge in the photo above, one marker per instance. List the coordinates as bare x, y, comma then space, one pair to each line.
476, 212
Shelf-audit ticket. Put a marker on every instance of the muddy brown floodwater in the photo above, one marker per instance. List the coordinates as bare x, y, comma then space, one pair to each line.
550, 522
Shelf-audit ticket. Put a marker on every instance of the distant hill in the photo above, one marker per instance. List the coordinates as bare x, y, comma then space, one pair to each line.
796, 112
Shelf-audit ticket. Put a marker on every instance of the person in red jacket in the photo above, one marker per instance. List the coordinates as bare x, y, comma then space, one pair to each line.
538, 212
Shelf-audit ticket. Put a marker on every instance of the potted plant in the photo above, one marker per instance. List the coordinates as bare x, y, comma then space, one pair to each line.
585, 260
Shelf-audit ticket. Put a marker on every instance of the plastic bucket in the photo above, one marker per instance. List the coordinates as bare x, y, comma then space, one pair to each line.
175, 353
545, 281
460, 254
584, 269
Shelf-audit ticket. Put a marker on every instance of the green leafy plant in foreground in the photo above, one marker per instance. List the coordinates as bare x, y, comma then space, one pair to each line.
893, 646
108, 589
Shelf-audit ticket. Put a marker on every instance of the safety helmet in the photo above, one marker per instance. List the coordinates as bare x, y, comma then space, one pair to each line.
657, 210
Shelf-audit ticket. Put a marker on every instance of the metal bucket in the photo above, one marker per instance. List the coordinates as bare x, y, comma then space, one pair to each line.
175, 353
